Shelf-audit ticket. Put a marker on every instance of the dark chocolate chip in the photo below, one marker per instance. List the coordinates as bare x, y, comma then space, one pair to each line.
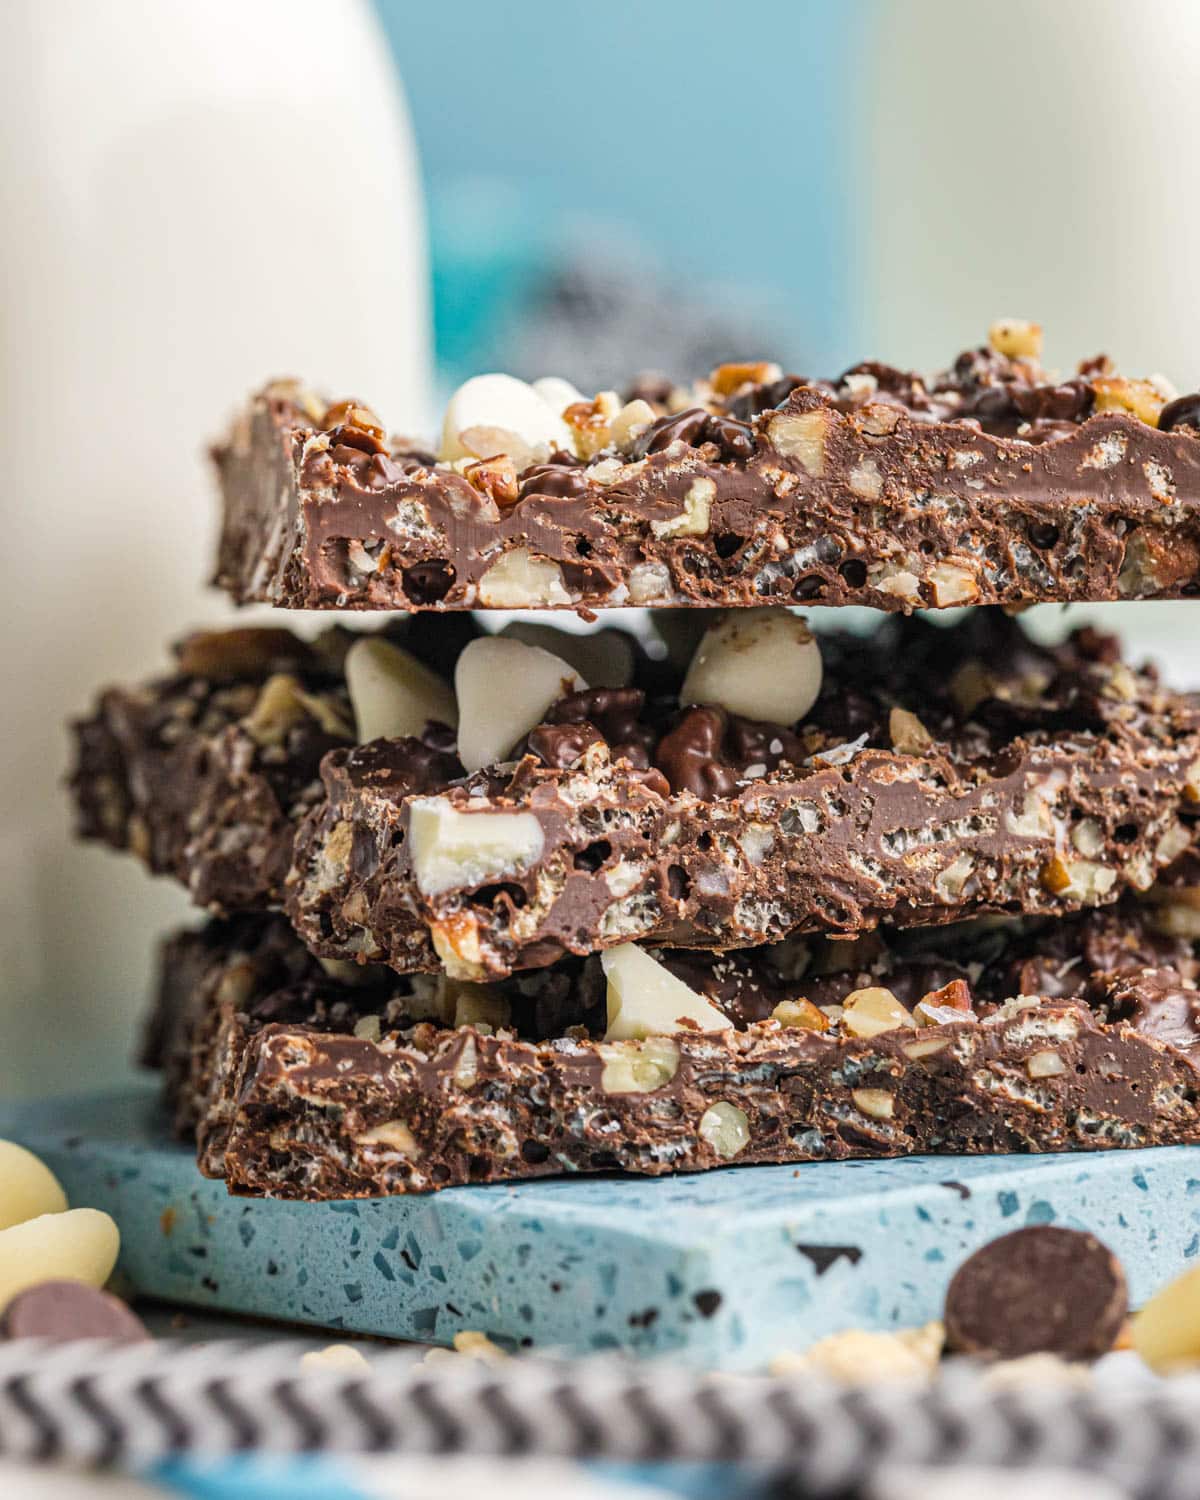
1183, 412
1039, 1290
65, 1310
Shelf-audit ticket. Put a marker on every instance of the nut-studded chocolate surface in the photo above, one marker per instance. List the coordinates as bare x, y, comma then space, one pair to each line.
1049, 1029
937, 773
992, 483
940, 773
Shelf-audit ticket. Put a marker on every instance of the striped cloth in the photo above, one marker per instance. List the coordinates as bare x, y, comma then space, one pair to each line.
136, 1406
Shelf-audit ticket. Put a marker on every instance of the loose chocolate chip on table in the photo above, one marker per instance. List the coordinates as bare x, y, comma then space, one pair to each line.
65, 1310
1038, 1290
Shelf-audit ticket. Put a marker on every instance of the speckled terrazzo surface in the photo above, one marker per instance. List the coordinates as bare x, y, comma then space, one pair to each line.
721, 1268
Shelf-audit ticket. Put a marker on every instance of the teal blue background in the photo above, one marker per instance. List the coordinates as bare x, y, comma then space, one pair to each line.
711, 137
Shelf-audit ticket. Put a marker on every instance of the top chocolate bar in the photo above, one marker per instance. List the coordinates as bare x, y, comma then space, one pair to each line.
992, 483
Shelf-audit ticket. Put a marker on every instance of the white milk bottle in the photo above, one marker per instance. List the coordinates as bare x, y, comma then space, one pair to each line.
194, 198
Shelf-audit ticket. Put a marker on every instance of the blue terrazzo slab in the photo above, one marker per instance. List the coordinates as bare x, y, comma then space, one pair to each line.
720, 1269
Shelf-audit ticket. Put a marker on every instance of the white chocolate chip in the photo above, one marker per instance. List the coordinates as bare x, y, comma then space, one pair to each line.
334, 1357
522, 580
762, 663
646, 999
1166, 1333
450, 849
557, 393
603, 658
28, 1188
79, 1244
493, 414
726, 1129
393, 694
637, 1067
504, 688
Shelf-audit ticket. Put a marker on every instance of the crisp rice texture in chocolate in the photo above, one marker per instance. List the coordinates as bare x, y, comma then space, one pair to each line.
992, 483
1046, 1035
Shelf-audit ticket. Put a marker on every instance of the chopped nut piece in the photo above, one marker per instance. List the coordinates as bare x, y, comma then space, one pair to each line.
952, 881
504, 688
952, 584
452, 848
393, 1135
764, 664
880, 1104
908, 734
1045, 1064
1088, 837
334, 1357
1078, 879
630, 422
860, 1356
638, 1067
870, 1011
695, 516
393, 694
927, 1046
496, 478
480, 1005
645, 998
1016, 339
469, 1344
1166, 1333
354, 414
726, 379
726, 1129
522, 580
456, 942
368, 1028
1138, 397
591, 423
282, 704
801, 435
802, 1014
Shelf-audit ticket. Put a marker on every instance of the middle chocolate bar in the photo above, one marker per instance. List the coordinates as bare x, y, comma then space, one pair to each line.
918, 776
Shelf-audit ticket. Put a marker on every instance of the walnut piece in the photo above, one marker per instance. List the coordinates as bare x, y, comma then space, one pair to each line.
520, 579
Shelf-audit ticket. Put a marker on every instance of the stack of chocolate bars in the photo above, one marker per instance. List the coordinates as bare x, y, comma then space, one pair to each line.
494, 899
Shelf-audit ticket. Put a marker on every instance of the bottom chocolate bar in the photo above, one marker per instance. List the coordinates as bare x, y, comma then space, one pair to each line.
998, 1035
